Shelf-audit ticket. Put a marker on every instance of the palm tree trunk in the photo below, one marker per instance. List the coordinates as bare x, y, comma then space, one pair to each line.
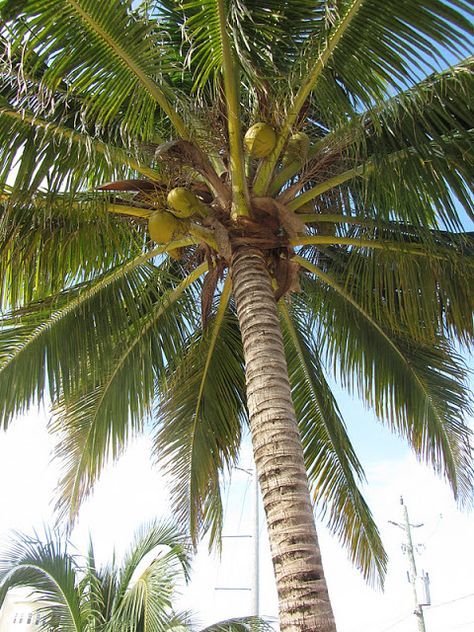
302, 591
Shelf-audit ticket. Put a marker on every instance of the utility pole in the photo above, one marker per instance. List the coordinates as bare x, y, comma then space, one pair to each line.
255, 536
256, 547
412, 574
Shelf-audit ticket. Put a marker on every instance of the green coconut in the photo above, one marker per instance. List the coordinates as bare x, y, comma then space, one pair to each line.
297, 148
165, 227
260, 139
185, 203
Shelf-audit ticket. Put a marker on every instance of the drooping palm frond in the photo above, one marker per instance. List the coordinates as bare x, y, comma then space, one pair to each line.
48, 150
431, 128
392, 264
48, 139
200, 417
45, 349
50, 244
95, 421
414, 386
332, 465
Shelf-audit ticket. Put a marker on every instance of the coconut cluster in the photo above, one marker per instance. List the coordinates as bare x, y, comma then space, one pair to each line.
173, 223
260, 140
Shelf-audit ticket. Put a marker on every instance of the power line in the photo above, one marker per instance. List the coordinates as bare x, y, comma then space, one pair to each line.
462, 625
445, 603
392, 625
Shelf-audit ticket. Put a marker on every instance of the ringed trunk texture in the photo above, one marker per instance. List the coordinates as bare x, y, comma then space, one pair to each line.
302, 592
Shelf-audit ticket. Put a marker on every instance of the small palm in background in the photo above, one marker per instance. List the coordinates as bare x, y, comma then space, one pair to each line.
74, 594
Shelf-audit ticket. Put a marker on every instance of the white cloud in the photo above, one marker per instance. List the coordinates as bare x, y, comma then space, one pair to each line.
26, 475
133, 491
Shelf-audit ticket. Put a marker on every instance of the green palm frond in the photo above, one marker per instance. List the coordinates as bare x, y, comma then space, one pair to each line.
202, 29
47, 569
96, 587
46, 148
253, 26
210, 51
391, 264
172, 545
445, 276
200, 415
431, 128
440, 173
422, 135
76, 595
51, 243
332, 465
416, 387
118, 69
45, 348
359, 53
144, 602
390, 46
439, 104
97, 419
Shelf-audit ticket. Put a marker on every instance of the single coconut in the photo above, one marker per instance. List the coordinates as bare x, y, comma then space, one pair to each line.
185, 203
164, 227
297, 148
260, 139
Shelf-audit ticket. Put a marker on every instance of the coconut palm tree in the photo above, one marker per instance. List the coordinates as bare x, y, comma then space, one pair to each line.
74, 593
209, 206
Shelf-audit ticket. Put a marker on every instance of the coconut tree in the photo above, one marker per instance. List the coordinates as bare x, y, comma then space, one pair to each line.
74, 593
210, 206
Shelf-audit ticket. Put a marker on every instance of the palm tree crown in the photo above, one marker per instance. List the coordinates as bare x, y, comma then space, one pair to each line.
161, 163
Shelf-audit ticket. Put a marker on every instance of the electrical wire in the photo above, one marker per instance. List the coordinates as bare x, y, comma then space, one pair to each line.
392, 625
445, 603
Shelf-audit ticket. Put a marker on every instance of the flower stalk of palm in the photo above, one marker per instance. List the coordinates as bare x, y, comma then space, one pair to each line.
347, 255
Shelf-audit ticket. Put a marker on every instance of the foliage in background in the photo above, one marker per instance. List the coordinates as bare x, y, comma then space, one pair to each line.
72, 593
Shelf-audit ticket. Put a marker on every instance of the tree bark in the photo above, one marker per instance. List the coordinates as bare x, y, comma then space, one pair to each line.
302, 592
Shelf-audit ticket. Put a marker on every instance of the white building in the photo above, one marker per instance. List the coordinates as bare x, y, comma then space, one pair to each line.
19, 612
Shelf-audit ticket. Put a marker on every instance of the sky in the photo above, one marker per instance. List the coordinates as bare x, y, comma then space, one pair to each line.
134, 491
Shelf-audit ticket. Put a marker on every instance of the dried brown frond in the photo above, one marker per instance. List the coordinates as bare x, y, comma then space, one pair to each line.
286, 275
209, 286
